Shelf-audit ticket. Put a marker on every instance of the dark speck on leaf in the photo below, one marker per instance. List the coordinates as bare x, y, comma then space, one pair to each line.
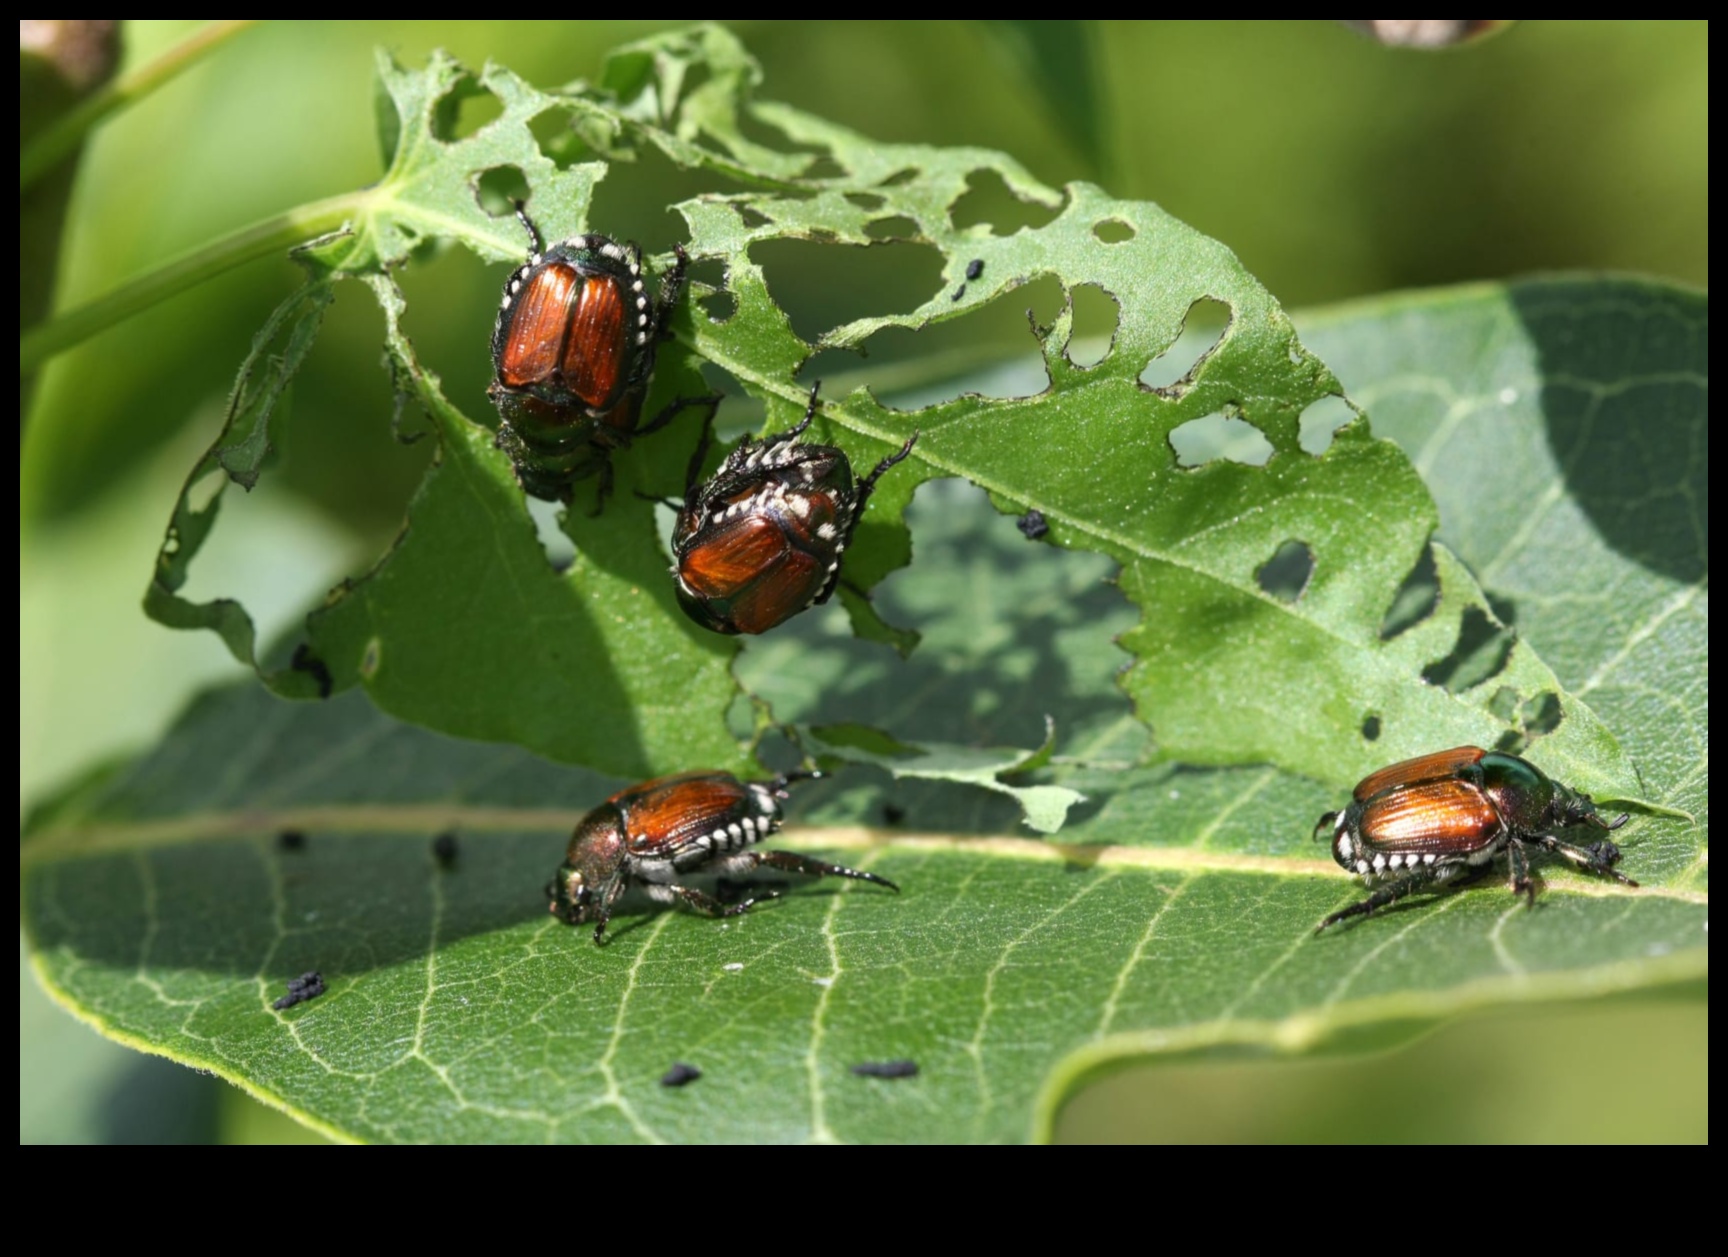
1033, 524
309, 985
892, 814
958, 293
290, 840
974, 268
444, 849
679, 1074
305, 661
886, 1069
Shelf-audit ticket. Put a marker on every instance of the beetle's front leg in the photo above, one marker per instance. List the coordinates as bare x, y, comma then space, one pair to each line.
1598, 857
1519, 863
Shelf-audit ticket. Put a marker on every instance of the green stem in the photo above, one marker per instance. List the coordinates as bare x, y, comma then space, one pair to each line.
272, 235
54, 144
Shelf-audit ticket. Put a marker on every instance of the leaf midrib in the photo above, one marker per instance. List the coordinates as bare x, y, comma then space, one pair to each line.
67, 842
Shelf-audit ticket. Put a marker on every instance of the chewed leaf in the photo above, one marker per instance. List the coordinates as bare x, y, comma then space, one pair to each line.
1191, 472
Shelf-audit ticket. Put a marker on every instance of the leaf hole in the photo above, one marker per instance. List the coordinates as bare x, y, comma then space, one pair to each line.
989, 200
1416, 597
824, 286
1321, 420
898, 227
1286, 574
554, 542
823, 166
1096, 316
206, 490
465, 109
1370, 728
498, 189
900, 178
752, 218
1542, 714
1220, 436
1504, 705
867, 200
1203, 330
1480, 653
717, 302
639, 207
966, 352
558, 140
1113, 231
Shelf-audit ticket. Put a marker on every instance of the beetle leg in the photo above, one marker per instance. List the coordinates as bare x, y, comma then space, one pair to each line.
792, 862
673, 409
708, 906
1519, 863
1391, 892
1598, 858
600, 494
670, 286
603, 913
867, 485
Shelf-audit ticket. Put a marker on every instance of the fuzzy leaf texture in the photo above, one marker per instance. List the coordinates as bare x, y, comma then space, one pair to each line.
1174, 918
464, 627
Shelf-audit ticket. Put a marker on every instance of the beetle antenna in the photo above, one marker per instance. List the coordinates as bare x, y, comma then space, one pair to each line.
796, 774
521, 208
809, 413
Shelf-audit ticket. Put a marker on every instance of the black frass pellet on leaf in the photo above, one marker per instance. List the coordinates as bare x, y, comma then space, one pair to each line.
1032, 524
290, 840
309, 985
679, 1074
886, 1069
444, 849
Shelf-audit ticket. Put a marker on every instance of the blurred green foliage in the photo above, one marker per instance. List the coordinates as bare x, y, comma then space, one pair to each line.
1334, 167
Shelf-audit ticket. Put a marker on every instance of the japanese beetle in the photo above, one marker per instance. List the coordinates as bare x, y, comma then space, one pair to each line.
762, 539
572, 354
1438, 817
650, 833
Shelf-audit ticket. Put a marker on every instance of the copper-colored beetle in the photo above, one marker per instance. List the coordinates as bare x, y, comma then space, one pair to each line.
572, 354
1438, 817
656, 831
763, 538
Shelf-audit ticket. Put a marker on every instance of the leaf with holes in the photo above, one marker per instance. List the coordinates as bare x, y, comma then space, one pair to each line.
1563, 425
1176, 918
1264, 550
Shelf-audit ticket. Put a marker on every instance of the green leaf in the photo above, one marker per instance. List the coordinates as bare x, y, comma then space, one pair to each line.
465, 627
1175, 920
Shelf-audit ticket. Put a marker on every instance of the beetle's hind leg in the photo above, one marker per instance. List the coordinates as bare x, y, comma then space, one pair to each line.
792, 862
1396, 889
